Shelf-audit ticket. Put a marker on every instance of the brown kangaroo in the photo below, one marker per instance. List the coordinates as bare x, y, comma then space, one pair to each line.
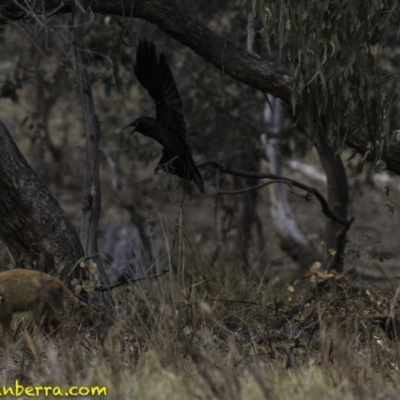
42, 294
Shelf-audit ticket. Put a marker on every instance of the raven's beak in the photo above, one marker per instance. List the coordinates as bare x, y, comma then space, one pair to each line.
128, 126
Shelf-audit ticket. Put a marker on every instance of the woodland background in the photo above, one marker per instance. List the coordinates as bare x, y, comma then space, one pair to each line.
233, 265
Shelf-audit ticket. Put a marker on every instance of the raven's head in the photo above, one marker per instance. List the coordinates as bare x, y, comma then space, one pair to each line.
142, 125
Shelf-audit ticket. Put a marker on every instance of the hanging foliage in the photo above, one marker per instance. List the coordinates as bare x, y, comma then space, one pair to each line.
333, 48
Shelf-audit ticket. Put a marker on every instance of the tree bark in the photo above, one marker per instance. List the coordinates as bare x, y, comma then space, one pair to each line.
338, 200
32, 223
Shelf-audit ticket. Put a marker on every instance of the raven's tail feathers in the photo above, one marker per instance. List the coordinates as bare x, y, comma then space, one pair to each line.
195, 175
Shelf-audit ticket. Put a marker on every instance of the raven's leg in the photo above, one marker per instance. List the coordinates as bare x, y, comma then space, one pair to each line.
165, 165
164, 158
186, 177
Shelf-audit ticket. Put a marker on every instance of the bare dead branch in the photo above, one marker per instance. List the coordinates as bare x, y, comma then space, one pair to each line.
91, 203
258, 175
232, 192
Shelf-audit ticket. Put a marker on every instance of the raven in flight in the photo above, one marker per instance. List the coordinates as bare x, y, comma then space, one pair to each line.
169, 128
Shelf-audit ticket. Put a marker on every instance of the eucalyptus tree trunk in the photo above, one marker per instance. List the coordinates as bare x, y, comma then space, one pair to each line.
32, 224
338, 201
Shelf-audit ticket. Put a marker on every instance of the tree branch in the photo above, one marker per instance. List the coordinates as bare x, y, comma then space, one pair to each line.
291, 182
224, 54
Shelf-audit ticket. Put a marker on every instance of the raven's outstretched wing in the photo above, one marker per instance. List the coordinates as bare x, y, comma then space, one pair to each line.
156, 77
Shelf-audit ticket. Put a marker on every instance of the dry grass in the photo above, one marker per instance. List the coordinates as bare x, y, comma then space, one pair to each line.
204, 333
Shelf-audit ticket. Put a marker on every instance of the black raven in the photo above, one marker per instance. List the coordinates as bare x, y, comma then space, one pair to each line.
169, 128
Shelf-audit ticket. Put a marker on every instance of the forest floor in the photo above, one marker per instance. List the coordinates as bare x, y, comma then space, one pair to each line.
207, 335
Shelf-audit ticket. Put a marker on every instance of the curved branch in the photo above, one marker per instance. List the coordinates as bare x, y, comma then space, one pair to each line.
224, 54
309, 189
249, 189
